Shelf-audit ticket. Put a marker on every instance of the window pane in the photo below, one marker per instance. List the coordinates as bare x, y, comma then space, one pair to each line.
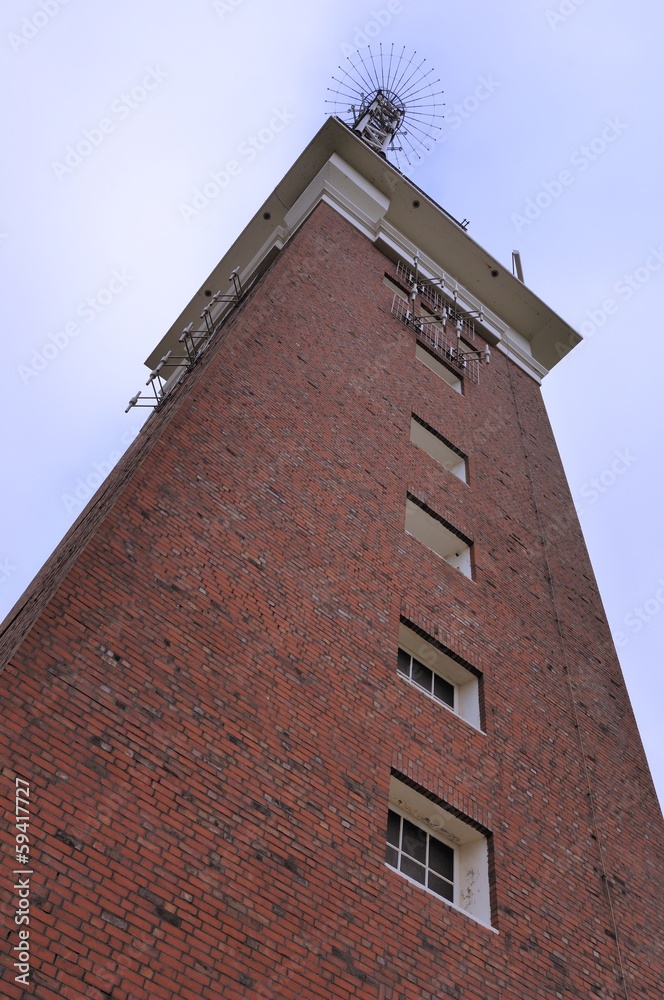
403, 663
412, 869
392, 856
422, 675
441, 859
393, 823
443, 690
414, 841
442, 888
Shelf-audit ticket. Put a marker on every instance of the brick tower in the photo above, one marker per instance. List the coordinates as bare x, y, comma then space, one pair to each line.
317, 698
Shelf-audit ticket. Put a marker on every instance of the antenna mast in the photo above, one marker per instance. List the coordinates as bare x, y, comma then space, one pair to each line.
389, 98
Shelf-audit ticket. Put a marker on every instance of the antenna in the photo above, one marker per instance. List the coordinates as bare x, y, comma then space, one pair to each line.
517, 267
433, 311
390, 100
193, 342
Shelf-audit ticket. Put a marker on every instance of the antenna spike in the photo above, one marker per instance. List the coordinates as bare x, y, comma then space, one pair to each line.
390, 99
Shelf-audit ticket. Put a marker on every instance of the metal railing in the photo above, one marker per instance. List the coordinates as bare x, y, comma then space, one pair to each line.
172, 367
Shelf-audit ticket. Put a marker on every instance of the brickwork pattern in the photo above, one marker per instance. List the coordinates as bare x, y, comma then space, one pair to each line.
203, 690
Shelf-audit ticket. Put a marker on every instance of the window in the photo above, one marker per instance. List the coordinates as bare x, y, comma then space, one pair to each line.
435, 445
439, 536
432, 846
420, 674
438, 368
419, 855
439, 673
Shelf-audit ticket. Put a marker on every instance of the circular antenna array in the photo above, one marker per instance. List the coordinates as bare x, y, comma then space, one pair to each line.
390, 100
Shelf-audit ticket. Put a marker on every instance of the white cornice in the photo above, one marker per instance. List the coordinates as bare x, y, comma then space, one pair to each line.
345, 190
339, 169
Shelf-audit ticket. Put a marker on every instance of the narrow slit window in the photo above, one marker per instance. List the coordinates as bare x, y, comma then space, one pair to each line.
441, 450
433, 531
438, 368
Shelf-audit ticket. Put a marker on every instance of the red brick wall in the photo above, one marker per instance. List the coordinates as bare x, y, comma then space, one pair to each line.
207, 707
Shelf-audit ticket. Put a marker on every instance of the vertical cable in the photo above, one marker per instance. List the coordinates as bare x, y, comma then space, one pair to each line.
577, 721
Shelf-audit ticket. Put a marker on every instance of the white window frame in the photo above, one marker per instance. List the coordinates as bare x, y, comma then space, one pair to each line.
466, 682
471, 890
454, 707
427, 869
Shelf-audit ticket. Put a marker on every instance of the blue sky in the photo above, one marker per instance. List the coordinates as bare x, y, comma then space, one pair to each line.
118, 113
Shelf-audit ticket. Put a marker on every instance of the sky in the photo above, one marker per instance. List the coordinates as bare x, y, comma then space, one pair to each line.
118, 113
